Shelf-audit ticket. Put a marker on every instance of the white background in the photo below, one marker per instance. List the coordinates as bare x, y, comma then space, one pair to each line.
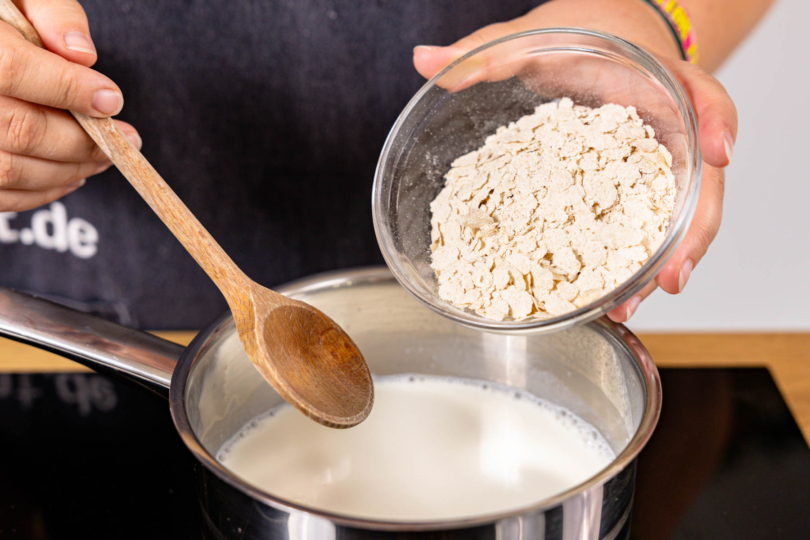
755, 276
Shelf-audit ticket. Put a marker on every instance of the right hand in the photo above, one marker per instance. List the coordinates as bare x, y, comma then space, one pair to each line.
636, 21
44, 153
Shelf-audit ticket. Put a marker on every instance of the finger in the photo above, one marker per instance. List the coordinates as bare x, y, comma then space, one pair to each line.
62, 25
623, 313
716, 112
429, 60
14, 200
506, 60
34, 130
701, 233
34, 174
33, 74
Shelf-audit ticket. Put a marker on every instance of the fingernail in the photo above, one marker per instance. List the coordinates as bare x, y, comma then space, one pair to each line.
728, 141
632, 306
683, 277
76, 41
108, 102
424, 48
135, 139
103, 166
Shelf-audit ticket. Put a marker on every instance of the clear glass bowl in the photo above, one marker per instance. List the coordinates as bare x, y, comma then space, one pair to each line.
499, 83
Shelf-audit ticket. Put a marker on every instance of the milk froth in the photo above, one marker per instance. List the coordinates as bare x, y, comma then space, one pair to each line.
432, 449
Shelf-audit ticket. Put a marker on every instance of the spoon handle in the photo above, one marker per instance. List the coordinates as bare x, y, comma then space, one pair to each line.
151, 186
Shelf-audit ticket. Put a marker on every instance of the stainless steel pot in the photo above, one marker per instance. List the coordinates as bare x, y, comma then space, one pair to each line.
600, 371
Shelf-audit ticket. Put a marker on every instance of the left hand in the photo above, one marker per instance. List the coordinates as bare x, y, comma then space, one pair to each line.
716, 113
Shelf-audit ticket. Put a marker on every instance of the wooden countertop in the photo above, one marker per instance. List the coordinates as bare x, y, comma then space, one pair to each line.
787, 355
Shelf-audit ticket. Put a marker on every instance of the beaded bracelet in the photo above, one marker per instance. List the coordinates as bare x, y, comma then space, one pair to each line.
681, 26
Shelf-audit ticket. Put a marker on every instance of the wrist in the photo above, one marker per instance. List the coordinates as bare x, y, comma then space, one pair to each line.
633, 20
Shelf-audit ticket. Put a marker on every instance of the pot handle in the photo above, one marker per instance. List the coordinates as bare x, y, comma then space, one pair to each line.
94, 342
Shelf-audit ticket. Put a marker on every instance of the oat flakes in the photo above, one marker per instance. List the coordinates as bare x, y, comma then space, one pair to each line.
554, 211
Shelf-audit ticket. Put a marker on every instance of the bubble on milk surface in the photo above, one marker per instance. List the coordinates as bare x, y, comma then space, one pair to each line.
589, 435
225, 451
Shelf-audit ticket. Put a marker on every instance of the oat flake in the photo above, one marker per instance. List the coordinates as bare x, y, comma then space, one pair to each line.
553, 212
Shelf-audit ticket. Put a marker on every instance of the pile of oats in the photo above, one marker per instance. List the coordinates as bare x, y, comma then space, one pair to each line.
554, 211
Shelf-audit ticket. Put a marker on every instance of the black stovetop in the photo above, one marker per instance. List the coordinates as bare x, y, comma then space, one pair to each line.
83, 456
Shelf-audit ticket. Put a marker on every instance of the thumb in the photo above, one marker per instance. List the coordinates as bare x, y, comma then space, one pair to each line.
62, 25
429, 60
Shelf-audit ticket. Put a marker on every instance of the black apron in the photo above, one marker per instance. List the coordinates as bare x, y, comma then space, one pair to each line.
265, 116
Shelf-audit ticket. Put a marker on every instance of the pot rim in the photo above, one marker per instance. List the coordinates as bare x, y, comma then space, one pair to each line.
363, 276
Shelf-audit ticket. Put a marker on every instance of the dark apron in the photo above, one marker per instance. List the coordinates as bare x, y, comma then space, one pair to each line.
265, 116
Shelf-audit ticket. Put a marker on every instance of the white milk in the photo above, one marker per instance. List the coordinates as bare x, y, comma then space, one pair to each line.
432, 449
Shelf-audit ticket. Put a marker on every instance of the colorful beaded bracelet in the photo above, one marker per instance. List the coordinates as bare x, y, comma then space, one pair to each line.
678, 21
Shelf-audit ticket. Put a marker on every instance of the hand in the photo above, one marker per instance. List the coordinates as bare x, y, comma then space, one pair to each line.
717, 116
44, 153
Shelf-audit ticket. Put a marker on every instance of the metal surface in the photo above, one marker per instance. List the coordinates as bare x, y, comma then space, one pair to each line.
88, 340
599, 371
229, 514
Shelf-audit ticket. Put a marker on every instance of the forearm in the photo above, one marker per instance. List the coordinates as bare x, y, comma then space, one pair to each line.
719, 25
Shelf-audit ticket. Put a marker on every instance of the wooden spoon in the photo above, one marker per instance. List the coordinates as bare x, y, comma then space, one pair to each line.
301, 352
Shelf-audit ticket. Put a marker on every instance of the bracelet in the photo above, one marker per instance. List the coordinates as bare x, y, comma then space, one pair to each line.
681, 26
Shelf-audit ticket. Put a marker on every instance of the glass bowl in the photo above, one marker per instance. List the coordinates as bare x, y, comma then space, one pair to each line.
498, 83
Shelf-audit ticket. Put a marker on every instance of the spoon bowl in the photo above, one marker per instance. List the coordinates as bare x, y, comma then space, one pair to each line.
308, 358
